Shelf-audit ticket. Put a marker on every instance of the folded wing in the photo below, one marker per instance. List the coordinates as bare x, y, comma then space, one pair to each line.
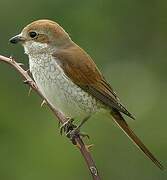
80, 68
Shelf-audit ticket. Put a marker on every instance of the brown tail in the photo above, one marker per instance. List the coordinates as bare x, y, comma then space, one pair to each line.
124, 126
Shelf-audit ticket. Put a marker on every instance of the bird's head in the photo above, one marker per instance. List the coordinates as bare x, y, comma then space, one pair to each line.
41, 36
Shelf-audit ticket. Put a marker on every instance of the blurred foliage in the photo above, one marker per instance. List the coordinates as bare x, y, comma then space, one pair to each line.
128, 41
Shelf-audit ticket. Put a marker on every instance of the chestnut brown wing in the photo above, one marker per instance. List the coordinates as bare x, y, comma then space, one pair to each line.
80, 68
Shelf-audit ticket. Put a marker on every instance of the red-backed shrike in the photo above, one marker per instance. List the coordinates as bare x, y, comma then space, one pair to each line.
69, 78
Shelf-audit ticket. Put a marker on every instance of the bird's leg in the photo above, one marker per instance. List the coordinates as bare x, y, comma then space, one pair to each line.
76, 131
67, 126
83, 122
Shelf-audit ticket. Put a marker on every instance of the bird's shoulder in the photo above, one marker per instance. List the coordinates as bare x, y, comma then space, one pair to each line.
76, 58
80, 67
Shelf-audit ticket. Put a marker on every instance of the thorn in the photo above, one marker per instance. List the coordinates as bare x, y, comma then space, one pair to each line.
29, 92
43, 102
20, 64
89, 147
78, 145
31, 83
27, 81
28, 70
11, 58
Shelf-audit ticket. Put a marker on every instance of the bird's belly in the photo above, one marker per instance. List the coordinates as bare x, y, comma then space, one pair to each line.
62, 93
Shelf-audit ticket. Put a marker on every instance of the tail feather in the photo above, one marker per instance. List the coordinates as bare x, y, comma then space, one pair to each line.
124, 126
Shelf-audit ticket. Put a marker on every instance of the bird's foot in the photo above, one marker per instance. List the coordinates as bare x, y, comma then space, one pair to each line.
72, 131
67, 126
75, 133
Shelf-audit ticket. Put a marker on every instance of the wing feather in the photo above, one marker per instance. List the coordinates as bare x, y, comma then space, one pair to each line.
80, 68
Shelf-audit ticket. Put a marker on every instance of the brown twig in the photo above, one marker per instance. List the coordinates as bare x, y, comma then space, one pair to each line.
60, 116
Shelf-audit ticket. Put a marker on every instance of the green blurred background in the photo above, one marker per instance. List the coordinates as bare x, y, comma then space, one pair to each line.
128, 41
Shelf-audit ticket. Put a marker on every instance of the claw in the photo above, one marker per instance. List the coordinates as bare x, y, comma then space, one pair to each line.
73, 133
76, 133
67, 126
84, 135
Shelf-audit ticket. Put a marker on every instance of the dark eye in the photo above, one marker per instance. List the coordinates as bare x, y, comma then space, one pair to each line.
32, 34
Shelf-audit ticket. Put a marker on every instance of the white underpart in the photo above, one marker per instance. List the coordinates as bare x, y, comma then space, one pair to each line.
55, 85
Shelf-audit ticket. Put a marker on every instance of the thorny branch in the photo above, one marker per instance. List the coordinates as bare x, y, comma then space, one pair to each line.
60, 116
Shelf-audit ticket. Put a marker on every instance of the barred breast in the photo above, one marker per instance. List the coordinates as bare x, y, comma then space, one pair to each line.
60, 91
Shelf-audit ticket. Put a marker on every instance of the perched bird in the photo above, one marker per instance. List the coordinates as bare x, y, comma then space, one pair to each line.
69, 78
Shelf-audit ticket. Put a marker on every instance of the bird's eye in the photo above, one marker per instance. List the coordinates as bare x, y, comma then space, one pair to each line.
32, 34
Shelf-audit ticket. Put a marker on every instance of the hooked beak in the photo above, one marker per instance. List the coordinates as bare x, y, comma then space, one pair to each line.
16, 39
